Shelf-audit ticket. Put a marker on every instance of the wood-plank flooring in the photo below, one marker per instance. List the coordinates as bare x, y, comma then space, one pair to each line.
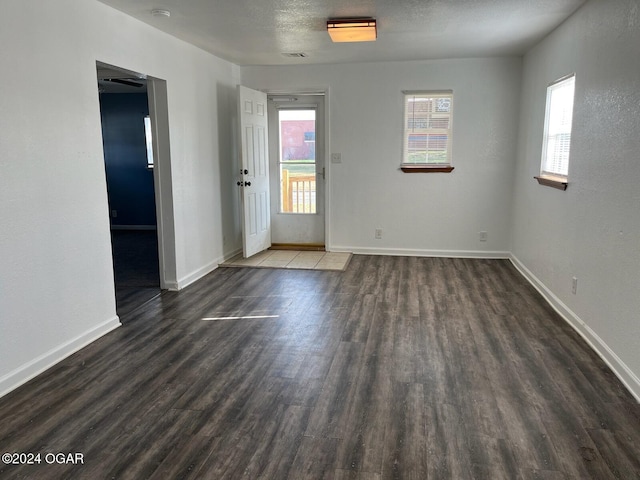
397, 368
135, 268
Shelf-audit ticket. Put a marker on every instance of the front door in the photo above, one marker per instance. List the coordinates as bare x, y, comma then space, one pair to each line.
297, 169
254, 174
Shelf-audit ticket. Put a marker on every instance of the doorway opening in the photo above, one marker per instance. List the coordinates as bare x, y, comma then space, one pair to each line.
296, 131
129, 168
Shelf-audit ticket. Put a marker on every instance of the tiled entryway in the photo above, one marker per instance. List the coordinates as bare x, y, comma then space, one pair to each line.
293, 259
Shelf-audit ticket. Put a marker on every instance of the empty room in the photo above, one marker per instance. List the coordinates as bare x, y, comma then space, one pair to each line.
388, 239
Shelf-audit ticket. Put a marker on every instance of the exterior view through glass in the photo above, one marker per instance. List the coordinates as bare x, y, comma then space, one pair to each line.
297, 160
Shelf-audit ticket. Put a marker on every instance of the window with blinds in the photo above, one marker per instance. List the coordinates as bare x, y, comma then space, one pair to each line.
557, 128
427, 128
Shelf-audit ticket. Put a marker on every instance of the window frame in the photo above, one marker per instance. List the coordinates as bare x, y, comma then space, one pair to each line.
557, 178
427, 167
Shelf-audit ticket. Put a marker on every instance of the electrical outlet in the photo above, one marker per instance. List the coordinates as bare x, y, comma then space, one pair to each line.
336, 158
574, 285
482, 236
378, 234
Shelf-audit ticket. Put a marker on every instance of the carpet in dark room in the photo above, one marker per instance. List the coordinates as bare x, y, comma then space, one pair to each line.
136, 270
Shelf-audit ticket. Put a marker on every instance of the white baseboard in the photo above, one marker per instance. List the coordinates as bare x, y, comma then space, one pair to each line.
412, 252
229, 255
33, 368
619, 368
173, 286
196, 275
201, 272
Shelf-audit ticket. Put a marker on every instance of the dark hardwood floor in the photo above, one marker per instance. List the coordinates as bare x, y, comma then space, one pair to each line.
412, 368
135, 268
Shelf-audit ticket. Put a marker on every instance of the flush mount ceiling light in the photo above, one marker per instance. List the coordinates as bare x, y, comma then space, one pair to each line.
352, 29
156, 12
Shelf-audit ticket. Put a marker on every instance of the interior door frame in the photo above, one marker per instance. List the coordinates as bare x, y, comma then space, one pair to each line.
162, 183
163, 186
327, 143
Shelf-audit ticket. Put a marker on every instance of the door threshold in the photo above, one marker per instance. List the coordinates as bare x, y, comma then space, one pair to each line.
307, 247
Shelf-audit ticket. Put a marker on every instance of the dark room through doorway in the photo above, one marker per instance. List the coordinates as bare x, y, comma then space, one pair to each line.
129, 165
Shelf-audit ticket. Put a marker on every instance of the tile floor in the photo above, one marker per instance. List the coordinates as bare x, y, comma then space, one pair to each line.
293, 259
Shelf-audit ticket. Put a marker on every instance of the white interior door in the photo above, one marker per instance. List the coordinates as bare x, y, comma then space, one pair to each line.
254, 178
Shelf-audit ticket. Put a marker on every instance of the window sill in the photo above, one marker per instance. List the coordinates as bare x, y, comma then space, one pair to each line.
553, 182
426, 168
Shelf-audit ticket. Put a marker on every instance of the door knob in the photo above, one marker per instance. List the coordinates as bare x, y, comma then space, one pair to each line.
246, 171
239, 184
247, 184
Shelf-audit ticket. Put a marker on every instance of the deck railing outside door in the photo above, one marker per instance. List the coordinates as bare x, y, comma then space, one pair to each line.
298, 193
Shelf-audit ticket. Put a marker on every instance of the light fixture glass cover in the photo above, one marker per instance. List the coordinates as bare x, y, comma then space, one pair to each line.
352, 29
157, 12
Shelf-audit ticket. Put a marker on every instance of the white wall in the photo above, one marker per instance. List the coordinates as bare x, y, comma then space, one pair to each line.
56, 277
420, 214
591, 230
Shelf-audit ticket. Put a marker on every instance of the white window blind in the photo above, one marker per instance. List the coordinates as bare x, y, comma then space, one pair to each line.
557, 128
427, 128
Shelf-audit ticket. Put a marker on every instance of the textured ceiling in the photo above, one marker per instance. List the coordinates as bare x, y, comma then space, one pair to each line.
258, 32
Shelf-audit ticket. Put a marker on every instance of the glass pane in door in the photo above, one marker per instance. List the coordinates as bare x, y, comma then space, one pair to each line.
297, 160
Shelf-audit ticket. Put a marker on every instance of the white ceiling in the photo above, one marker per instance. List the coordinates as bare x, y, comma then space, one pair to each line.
259, 32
